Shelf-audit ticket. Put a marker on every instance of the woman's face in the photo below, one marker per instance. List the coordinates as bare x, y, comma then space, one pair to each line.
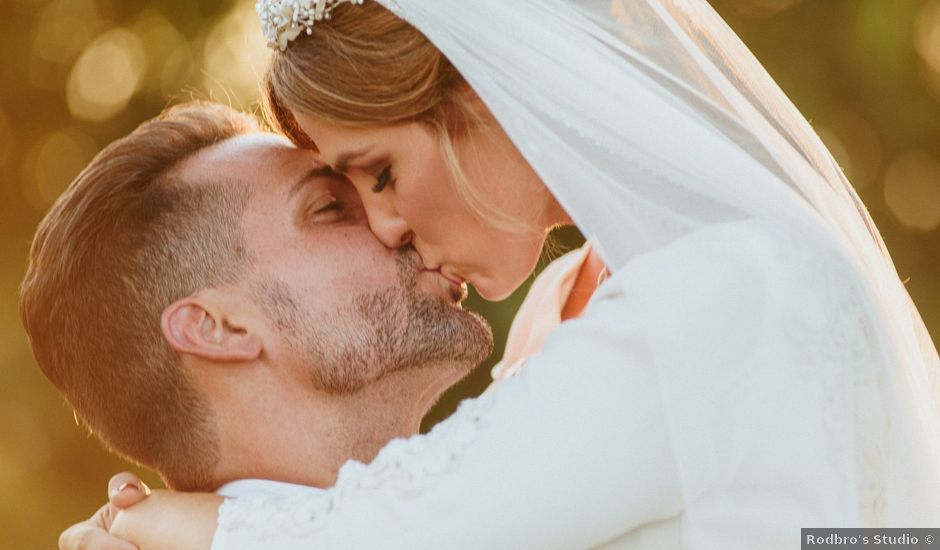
410, 195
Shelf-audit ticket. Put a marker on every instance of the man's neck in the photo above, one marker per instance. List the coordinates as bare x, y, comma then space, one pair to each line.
291, 433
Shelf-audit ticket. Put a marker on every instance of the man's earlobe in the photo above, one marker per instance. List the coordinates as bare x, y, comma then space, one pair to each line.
196, 328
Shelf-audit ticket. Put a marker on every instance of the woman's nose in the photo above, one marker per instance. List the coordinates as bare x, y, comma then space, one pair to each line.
390, 228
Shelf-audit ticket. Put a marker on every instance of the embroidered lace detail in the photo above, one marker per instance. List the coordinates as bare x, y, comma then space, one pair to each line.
408, 466
265, 516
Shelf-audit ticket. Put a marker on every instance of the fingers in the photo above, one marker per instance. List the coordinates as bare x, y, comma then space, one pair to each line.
103, 517
125, 490
88, 536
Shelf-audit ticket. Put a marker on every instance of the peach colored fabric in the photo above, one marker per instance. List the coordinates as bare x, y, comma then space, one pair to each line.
542, 310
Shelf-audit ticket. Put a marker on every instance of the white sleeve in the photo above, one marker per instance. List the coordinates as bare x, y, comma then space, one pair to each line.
568, 454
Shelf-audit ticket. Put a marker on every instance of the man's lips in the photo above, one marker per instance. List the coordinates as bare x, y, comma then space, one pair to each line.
458, 283
458, 288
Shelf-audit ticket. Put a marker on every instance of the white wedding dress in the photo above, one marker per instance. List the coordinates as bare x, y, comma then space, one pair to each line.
575, 450
752, 365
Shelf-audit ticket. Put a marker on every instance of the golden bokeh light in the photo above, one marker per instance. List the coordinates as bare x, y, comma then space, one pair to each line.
930, 78
159, 34
854, 144
53, 162
64, 28
838, 148
106, 76
235, 56
927, 34
912, 190
168, 52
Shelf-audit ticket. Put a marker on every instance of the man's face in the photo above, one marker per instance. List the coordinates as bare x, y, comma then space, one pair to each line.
340, 304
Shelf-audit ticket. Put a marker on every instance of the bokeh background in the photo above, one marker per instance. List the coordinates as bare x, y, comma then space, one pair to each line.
76, 74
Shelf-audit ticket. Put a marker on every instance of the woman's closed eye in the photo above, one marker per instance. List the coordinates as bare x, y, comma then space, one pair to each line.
385, 178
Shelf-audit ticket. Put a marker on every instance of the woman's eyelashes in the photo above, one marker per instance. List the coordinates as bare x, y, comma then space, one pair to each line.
385, 178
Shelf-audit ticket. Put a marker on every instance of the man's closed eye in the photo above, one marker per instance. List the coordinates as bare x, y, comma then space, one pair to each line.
325, 209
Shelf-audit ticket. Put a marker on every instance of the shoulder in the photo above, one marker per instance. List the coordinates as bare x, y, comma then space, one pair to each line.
729, 282
725, 260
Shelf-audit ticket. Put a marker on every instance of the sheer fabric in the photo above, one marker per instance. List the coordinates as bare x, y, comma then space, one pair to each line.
650, 121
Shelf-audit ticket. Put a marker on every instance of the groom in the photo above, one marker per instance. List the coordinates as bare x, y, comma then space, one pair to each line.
211, 302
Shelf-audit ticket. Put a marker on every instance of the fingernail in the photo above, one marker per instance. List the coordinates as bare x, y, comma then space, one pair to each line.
127, 485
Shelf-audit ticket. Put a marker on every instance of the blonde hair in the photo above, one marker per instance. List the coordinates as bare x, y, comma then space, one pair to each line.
126, 239
367, 67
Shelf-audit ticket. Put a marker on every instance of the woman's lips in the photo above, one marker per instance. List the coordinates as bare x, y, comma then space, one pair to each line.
453, 278
458, 287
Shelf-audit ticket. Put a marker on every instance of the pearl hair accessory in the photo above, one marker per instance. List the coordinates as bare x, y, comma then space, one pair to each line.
284, 20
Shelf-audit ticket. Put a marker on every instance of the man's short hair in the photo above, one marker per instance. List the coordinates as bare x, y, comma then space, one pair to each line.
125, 240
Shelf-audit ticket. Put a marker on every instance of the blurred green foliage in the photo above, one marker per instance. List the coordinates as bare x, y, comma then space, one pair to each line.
77, 74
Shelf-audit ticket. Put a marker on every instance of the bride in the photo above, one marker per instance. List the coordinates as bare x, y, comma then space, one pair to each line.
749, 362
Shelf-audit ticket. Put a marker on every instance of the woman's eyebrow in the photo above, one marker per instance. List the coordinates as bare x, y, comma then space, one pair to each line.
341, 164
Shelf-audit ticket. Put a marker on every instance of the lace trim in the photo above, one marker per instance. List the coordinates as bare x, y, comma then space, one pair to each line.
408, 466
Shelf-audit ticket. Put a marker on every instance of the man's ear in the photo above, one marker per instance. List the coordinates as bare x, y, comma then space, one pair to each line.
197, 326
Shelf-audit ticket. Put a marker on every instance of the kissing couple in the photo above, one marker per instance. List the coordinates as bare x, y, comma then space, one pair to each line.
264, 319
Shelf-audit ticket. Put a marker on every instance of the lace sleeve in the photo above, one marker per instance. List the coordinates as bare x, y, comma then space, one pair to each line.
404, 466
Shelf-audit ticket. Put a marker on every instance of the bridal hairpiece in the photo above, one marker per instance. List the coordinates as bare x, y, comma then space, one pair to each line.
284, 20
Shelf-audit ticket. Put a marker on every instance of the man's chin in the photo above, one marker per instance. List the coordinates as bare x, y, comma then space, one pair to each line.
452, 333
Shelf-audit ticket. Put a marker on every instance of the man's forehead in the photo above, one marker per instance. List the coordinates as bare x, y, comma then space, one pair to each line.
253, 148
245, 156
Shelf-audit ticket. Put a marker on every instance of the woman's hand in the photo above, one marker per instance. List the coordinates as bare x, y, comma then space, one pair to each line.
92, 534
134, 519
124, 490
169, 520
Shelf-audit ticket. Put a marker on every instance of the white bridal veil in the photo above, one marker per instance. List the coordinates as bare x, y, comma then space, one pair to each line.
649, 120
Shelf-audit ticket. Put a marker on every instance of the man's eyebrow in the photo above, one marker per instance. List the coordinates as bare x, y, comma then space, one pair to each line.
342, 160
320, 171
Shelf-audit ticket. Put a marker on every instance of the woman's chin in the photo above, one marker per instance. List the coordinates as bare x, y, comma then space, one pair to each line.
493, 291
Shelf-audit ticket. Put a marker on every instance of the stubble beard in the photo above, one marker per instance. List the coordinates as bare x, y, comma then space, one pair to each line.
390, 330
